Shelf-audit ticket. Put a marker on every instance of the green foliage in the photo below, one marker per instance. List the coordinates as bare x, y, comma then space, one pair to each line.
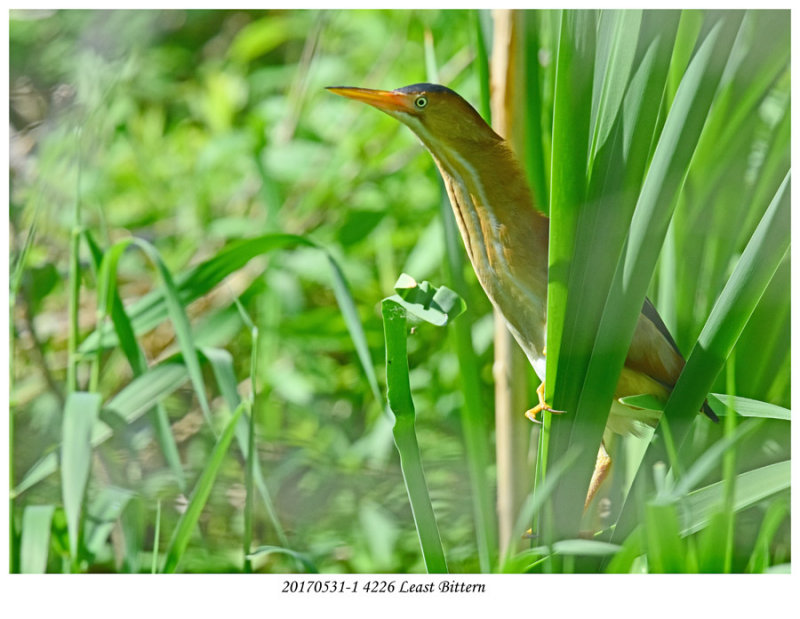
275, 217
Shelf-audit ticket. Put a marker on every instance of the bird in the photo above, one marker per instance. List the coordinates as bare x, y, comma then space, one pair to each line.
506, 240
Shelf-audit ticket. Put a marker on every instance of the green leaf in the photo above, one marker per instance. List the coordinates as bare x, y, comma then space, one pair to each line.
347, 306
35, 543
571, 118
106, 266
188, 520
666, 553
152, 309
644, 401
180, 322
80, 414
103, 513
634, 271
777, 512
751, 487
617, 37
711, 456
435, 305
402, 405
747, 407
221, 362
262, 36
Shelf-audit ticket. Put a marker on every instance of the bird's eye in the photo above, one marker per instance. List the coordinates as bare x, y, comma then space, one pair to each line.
421, 102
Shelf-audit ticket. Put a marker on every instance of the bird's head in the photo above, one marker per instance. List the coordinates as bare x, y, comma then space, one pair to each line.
441, 118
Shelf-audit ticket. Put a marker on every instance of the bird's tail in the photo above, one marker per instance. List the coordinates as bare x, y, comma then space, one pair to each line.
709, 413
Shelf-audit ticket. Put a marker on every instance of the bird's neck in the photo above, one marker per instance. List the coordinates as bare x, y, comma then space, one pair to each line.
505, 236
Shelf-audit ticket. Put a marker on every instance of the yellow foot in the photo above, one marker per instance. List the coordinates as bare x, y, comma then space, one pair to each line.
541, 406
601, 469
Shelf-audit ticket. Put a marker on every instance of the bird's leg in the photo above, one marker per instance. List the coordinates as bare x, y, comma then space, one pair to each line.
541, 406
601, 468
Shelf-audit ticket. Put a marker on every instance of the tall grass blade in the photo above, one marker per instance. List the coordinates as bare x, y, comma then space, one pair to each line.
347, 306
188, 520
648, 228
617, 37
666, 552
74, 274
180, 322
537, 499
156, 539
35, 543
221, 362
726, 322
482, 65
473, 419
80, 414
572, 111
536, 165
776, 513
401, 404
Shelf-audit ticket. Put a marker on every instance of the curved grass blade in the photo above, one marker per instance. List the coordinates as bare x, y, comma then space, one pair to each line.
711, 456
402, 405
188, 520
297, 556
106, 267
347, 306
180, 322
80, 414
152, 309
435, 305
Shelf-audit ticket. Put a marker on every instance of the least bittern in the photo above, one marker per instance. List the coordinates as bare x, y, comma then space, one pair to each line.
506, 240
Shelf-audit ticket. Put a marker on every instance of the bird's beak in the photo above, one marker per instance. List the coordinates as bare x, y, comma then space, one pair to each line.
384, 100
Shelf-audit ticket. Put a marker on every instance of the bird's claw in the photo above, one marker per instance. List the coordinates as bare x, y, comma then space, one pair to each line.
541, 406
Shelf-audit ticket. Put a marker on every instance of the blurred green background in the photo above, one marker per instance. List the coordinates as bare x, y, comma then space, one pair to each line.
191, 129
198, 127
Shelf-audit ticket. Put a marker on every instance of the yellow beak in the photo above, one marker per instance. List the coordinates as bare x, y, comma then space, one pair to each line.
385, 100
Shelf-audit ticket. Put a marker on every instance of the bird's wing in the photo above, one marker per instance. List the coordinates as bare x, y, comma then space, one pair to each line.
653, 351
